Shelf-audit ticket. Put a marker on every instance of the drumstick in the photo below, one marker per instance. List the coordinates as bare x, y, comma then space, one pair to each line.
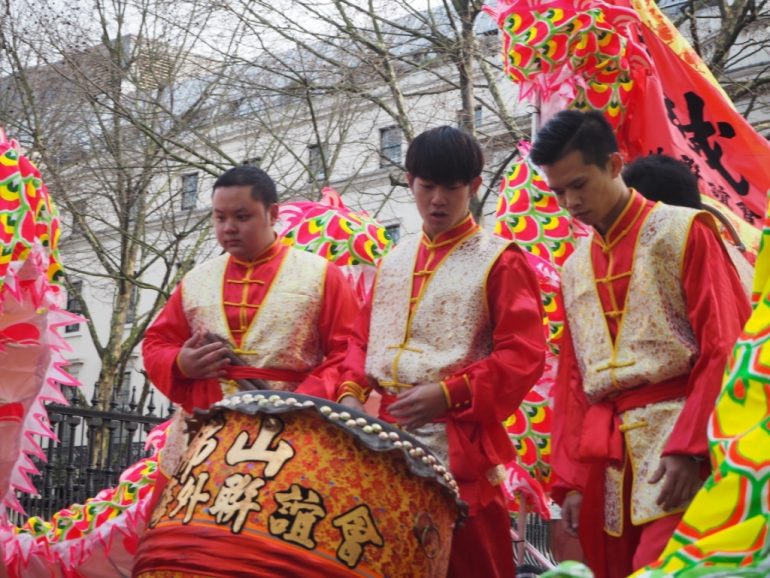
243, 384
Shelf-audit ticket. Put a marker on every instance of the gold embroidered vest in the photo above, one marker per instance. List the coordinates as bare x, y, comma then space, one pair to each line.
450, 326
655, 342
284, 332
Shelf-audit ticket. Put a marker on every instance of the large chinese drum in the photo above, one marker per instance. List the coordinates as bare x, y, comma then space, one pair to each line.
279, 484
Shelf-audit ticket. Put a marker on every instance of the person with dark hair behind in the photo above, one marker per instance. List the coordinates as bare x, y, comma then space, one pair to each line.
668, 180
284, 312
665, 179
648, 332
453, 339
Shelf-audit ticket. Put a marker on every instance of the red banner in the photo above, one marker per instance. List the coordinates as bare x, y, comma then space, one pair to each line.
683, 114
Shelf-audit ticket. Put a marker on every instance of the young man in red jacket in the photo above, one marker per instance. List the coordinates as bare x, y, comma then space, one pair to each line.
653, 308
286, 313
453, 339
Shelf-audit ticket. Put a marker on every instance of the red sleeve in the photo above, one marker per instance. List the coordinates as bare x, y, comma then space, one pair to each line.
339, 311
353, 378
717, 308
160, 348
569, 409
491, 389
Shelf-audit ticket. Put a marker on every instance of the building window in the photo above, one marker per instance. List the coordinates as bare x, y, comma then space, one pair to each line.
315, 163
123, 394
73, 368
485, 25
394, 232
189, 191
73, 394
73, 305
676, 8
390, 146
133, 209
478, 116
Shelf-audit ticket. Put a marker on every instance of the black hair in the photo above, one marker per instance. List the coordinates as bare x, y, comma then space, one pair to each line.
573, 130
262, 186
445, 155
665, 179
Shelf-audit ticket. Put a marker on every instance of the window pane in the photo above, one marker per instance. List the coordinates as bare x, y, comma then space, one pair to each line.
73, 369
478, 116
73, 305
390, 146
189, 191
124, 392
394, 232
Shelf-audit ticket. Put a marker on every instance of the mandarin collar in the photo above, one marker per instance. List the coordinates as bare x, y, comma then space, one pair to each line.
460, 230
270, 252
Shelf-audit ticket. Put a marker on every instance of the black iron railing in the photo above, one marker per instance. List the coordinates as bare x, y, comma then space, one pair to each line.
94, 447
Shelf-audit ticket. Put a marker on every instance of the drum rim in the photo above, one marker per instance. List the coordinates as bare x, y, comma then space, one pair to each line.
375, 434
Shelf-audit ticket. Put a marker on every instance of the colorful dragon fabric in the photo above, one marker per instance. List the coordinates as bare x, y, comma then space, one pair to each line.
354, 241
95, 539
572, 54
625, 59
30, 348
32, 364
528, 213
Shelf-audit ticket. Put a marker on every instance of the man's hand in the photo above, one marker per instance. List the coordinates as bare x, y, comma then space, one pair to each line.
682, 480
570, 512
197, 360
353, 403
419, 405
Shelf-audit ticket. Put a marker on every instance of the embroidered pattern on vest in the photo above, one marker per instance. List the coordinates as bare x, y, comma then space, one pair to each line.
449, 327
655, 341
284, 332
646, 431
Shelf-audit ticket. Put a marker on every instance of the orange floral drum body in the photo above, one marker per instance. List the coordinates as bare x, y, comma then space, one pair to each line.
306, 490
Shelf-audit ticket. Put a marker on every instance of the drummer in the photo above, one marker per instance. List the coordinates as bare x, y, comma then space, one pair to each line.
285, 313
453, 339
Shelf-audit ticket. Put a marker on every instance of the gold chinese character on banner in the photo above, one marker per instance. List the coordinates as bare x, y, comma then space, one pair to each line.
358, 529
300, 509
236, 498
263, 449
190, 496
200, 449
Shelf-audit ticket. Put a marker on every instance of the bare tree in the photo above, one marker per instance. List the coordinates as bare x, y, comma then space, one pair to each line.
389, 57
112, 119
